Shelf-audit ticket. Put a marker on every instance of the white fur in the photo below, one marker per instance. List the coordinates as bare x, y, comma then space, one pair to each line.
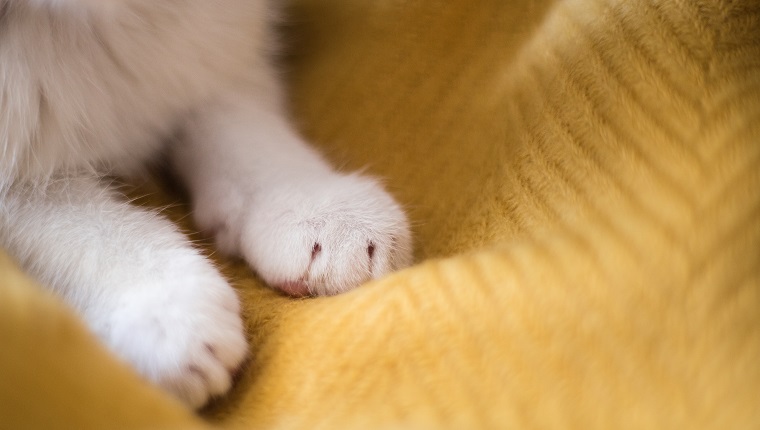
94, 87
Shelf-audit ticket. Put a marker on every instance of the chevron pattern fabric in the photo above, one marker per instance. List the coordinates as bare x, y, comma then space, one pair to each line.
584, 182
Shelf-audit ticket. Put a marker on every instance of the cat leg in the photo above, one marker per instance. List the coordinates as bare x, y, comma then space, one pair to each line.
139, 285
269, 197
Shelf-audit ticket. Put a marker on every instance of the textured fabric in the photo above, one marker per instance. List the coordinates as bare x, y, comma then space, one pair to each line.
584, 182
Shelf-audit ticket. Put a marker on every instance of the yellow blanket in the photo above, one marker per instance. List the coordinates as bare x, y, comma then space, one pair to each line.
584, 182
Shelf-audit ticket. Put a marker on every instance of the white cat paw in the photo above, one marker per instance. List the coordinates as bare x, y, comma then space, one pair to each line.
182, 332
327, 236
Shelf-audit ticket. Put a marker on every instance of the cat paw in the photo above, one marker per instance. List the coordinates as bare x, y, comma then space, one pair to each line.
326, 237
182, 332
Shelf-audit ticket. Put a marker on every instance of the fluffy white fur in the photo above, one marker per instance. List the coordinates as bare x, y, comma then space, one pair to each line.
94, 87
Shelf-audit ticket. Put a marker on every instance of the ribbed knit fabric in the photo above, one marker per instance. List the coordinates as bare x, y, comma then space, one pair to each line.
584, 181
